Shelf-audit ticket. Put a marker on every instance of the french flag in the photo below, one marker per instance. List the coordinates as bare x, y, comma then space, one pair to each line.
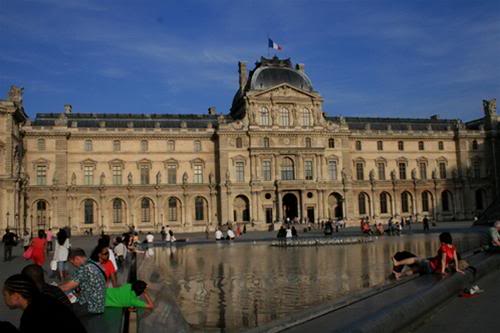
274, 45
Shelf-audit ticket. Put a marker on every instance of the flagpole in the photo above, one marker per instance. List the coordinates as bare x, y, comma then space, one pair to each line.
267, 45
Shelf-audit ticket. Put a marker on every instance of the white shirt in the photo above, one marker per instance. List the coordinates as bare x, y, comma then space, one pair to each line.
218, 234
61, 252
112, 258
121, 250
150, 238
230, 233
288, 233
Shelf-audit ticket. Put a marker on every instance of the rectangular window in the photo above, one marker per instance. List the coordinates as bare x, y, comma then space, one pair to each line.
144, 145
421, 145
87, 145
144, 174
266, 170
198, 174
171, 145
360, 174
402, 171
172, 173
197, 146
41, 175
401, 145
381, 170
332, 169
380, 145
358, 145
441, 145
117, 145
308, 170
117, 174
442, 170
240, 171
88, 175
423, 170
477, 169
41, 144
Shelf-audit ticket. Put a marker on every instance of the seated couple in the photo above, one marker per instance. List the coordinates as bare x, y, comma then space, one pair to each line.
447, 255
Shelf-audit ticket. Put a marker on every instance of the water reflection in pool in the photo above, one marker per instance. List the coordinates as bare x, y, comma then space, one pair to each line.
229, 287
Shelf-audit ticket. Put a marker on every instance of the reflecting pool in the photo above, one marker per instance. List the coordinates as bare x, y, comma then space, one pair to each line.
230, 287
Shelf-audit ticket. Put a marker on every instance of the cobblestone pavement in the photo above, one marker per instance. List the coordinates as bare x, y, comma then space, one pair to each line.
88, 242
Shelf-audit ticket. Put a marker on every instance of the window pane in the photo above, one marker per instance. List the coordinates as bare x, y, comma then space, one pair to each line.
383, 203
402, 171
116, 145
198, 174
172, 173
266, 170
144, 174
117, 174
308, 170
88, 175
381, 170
423, 170
332, 169
360, 171
442, 170
240, 171
199, 209
264, 117
284, 117
172, 209
41, 175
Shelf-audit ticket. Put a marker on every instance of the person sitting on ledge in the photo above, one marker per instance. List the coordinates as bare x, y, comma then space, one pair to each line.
495, 237
447, 253
128, 295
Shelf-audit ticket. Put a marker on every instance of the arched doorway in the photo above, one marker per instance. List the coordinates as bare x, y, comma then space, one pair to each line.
290, 206
241, 209
335, 206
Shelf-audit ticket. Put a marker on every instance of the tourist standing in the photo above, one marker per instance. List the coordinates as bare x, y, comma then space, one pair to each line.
288, 234
26, 239
9, 241
61, 253
230, 234
294, 232
90, 279
120, 251
163, 233
171, 237
150, 238
425, 222
100, 255
39, 245
49, 237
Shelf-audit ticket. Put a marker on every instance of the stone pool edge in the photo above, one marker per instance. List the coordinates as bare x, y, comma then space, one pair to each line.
399, 315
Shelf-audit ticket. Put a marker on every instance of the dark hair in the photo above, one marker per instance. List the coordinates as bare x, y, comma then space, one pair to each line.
35, 273
118, 240
445, 237
77, 252
62, 236
104, 240
139, 286
21, 284
41, 233
97, 250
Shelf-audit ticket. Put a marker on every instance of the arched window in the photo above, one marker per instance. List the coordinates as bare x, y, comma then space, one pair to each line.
117, 211
331, 143
199, 206
306, 118
474, 145
425, 201
287, 169
264, 117
405, 202
383, 203
145, 210
265, 142
88, 207
308, 143
284, 117
362, 203
239, 144
172, 209
40, 144
41, 213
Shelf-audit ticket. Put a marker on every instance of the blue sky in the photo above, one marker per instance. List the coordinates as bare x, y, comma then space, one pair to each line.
366, 58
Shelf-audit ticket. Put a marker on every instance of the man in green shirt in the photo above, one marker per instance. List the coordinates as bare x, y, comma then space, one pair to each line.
128, 295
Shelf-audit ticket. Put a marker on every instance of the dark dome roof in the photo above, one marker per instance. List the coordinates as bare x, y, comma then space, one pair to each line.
272, 72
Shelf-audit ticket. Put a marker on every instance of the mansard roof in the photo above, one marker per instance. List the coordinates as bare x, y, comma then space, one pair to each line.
122, 120
397, 124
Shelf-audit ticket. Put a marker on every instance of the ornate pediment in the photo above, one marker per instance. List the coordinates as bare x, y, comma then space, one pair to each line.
41, 161
116, 161
144, 161
197, 161
171, 161
238, 158
88, 162
284, 90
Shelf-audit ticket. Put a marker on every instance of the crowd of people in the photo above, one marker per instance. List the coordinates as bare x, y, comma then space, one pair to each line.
84, 294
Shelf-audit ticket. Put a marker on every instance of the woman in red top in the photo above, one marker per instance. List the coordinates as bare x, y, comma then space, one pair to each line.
38, 245
447, 253
100, 256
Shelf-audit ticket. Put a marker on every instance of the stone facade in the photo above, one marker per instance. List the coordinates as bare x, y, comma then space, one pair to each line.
276, 155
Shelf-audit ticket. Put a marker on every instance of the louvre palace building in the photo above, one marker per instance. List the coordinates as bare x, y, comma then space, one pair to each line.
276, 155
